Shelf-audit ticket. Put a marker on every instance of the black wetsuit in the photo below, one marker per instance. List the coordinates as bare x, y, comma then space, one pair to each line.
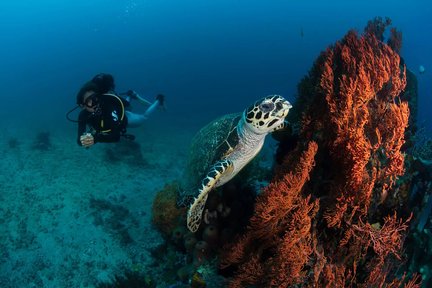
106, 124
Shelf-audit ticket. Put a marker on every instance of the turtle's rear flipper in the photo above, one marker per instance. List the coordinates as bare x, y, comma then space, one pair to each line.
208, 183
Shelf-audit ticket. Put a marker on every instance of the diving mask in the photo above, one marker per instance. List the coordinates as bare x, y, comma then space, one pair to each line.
92, 101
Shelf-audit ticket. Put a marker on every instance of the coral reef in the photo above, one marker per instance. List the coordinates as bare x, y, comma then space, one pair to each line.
277, 243
191, 257
422, 148
419, 241
337, 210
166, 216
327, 231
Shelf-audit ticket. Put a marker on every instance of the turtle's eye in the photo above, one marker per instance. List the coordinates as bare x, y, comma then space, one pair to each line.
279, 105
266, 107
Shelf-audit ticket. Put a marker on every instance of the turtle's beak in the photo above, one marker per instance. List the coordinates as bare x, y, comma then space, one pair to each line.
287, 105
283, 112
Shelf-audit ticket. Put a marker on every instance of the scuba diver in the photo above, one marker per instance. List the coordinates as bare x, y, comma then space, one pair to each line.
104, 117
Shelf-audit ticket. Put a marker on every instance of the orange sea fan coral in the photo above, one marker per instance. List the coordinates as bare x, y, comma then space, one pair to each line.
359, 82
279, 231
386, 239
280, 197
365, 124
312, 224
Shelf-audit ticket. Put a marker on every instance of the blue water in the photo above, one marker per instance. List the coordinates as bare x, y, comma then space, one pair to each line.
207, 57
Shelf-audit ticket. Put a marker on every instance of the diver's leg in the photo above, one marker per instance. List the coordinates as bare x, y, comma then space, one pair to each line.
152, 108
134, 119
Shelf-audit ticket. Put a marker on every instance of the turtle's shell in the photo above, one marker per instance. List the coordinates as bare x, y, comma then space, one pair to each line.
213, 142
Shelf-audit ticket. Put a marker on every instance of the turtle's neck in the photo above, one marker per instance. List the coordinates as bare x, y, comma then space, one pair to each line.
249, 145
248, 137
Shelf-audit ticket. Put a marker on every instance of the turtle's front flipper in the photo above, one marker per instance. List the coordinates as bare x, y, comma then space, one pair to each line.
213, 176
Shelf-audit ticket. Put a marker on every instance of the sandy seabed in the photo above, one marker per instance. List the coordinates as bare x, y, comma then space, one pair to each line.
75, 217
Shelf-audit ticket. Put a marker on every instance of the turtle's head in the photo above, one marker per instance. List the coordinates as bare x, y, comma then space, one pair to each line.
267, 115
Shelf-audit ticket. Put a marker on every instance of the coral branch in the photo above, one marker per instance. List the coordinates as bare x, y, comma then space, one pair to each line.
279, 233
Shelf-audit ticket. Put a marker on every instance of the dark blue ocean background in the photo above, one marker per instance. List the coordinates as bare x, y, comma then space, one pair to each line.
207, 57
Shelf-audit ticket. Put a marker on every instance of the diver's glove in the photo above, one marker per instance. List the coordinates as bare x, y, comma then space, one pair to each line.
87, 140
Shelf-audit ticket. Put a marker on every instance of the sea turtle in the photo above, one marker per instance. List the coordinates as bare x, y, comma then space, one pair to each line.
223, 147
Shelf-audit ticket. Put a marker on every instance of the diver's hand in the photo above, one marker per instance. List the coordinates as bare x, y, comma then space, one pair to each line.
132, 94
87, 140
